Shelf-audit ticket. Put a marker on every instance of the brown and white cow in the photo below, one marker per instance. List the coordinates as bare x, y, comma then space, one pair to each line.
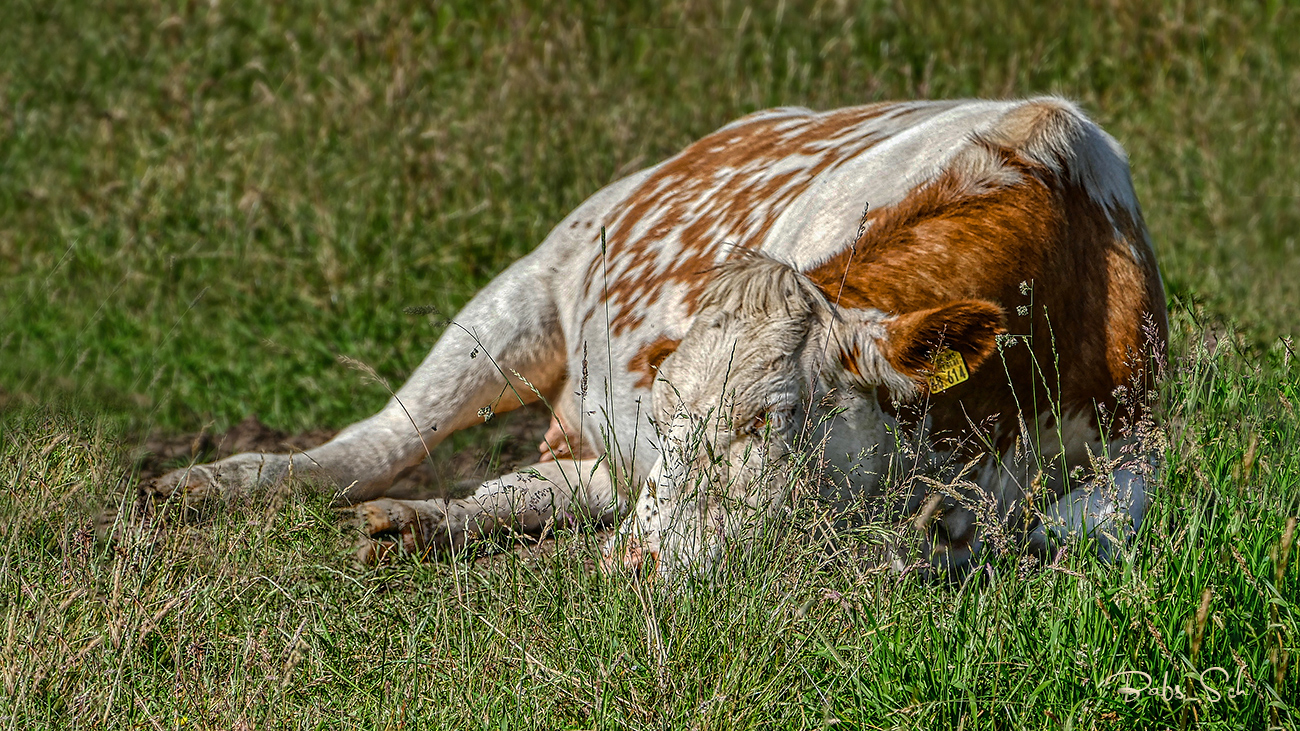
742, 306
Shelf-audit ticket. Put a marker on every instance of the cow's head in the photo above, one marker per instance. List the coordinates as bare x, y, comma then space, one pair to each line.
770, 365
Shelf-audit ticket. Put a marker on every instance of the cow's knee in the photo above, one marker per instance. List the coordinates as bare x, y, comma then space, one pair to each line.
1108, 511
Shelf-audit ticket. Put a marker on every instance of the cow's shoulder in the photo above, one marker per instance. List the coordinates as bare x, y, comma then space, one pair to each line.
1035, 211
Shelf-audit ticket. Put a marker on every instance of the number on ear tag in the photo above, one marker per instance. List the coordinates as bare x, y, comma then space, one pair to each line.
949, 370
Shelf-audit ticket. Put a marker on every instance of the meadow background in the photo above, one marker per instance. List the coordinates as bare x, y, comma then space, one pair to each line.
204, 204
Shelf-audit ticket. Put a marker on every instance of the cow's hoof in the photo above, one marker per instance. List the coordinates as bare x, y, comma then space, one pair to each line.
192, 485
224, 481
388, 526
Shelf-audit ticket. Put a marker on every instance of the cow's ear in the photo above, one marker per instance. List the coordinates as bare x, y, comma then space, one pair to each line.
917, 344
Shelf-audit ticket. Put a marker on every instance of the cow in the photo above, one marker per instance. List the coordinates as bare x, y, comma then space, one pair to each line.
954, 304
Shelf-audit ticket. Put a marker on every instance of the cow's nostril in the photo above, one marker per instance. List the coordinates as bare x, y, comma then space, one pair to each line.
387, 534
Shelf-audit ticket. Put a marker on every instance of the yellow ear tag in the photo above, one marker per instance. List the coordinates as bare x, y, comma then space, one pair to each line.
949, 370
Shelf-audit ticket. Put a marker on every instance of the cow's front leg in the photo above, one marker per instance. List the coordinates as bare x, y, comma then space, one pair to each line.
559, 492
500, 350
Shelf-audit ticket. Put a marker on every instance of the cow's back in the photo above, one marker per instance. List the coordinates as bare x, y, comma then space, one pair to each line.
1025, 203
788, 181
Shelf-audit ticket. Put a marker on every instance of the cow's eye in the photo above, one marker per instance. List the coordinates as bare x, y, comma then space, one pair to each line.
765, 422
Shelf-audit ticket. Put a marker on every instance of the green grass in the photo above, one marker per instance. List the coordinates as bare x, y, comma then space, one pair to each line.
259, 616
202, 205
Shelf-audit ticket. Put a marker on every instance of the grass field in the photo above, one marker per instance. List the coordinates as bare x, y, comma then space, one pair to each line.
204, 204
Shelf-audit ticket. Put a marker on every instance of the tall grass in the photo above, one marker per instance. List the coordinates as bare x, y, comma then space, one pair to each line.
260, 618
203, 205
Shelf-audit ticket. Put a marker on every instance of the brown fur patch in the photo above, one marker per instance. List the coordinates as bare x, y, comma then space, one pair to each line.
718, 192
850, 359
1087, 294
648, 359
